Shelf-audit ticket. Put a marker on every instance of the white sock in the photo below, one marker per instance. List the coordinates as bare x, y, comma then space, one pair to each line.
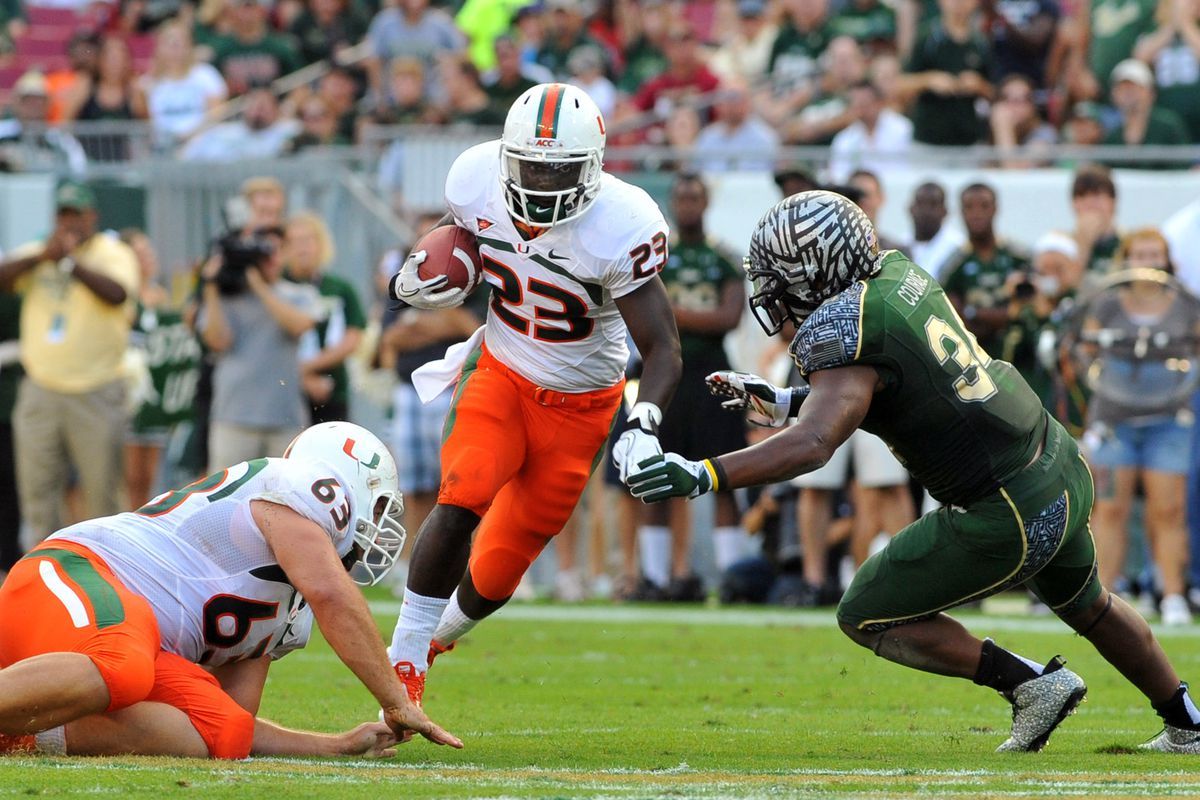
728, 541
52, 742
419, 616
454, 623
654, 546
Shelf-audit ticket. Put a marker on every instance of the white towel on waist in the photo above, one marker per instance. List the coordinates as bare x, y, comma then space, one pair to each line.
431, 379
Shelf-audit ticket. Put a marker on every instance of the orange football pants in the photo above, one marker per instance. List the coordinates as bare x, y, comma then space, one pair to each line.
519, 456
63, 598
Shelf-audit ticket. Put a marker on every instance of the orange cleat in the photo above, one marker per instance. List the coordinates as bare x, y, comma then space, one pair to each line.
17, 744
413, 680
436, 649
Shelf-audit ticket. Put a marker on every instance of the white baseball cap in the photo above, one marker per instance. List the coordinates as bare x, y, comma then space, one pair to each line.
1133, 71
1056, 242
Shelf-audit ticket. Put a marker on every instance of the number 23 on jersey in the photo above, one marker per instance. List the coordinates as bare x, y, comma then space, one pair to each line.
569, 322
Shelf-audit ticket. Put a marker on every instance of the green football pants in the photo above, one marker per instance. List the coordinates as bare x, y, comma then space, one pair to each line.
1033, 529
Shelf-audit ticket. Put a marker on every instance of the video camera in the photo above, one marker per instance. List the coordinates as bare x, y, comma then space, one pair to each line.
239, 252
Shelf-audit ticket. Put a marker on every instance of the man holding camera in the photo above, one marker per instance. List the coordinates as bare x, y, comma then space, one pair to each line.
77, 292
253, 320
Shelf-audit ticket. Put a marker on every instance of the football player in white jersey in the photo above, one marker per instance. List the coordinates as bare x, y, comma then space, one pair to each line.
572, 255
151, 632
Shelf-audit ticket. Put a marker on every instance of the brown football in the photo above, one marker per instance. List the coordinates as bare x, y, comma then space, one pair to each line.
451, 251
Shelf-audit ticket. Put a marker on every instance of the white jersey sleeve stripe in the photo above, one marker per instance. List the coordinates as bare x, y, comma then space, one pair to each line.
65, 594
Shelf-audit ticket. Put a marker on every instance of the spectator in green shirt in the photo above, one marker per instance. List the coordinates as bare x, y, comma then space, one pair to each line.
1173, 49
566, 30
978, 280
646, 54
1142, 123
509, 80
1113, 28
12, 27
948, 71
251, 54
325, 27
869, 22
466, 101
802, 38
324, 350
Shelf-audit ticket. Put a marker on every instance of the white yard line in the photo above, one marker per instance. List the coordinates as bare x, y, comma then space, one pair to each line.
749, 618
623, 783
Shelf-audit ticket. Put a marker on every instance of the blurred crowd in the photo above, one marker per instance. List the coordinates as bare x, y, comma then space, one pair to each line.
724, 81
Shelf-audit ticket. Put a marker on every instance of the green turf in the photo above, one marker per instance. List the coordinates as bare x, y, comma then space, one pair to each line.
638, 703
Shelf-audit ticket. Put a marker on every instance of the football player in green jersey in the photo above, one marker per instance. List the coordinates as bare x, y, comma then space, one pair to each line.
883, 349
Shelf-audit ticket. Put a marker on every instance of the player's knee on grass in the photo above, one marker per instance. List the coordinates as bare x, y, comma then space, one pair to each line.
226, 728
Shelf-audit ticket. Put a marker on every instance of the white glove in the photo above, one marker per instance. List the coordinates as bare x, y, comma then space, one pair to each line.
408, 286
765, 404
640, 442
670, 475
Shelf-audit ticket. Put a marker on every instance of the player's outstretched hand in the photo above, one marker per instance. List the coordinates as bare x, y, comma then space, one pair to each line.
669, 475
418, 292
633, 447
410, 717
373, 740
765, 404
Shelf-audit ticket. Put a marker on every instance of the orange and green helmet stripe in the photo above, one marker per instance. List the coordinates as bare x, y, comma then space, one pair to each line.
549, 109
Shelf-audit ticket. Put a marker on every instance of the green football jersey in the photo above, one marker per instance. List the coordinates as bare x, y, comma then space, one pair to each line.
173, 358
695, 276
960, 422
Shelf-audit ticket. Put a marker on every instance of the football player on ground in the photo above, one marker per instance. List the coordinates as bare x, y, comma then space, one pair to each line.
151, 632
882, 348
573, 256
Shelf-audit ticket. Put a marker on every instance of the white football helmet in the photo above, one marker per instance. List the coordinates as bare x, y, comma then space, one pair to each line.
551, 154
368, 471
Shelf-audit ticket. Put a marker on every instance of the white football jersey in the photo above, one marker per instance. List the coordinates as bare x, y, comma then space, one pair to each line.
196, 555
552, 317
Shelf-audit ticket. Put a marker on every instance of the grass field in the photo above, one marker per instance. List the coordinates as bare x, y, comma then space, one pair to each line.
640, 702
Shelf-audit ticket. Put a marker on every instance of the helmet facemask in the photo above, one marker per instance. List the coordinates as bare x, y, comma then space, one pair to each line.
770, 302
546, 187
378, 540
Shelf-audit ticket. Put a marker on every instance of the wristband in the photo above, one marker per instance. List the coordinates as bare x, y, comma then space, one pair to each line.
798, 396
646, 416
716, 473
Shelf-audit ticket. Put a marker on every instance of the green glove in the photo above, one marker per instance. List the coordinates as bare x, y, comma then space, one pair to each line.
670, 475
